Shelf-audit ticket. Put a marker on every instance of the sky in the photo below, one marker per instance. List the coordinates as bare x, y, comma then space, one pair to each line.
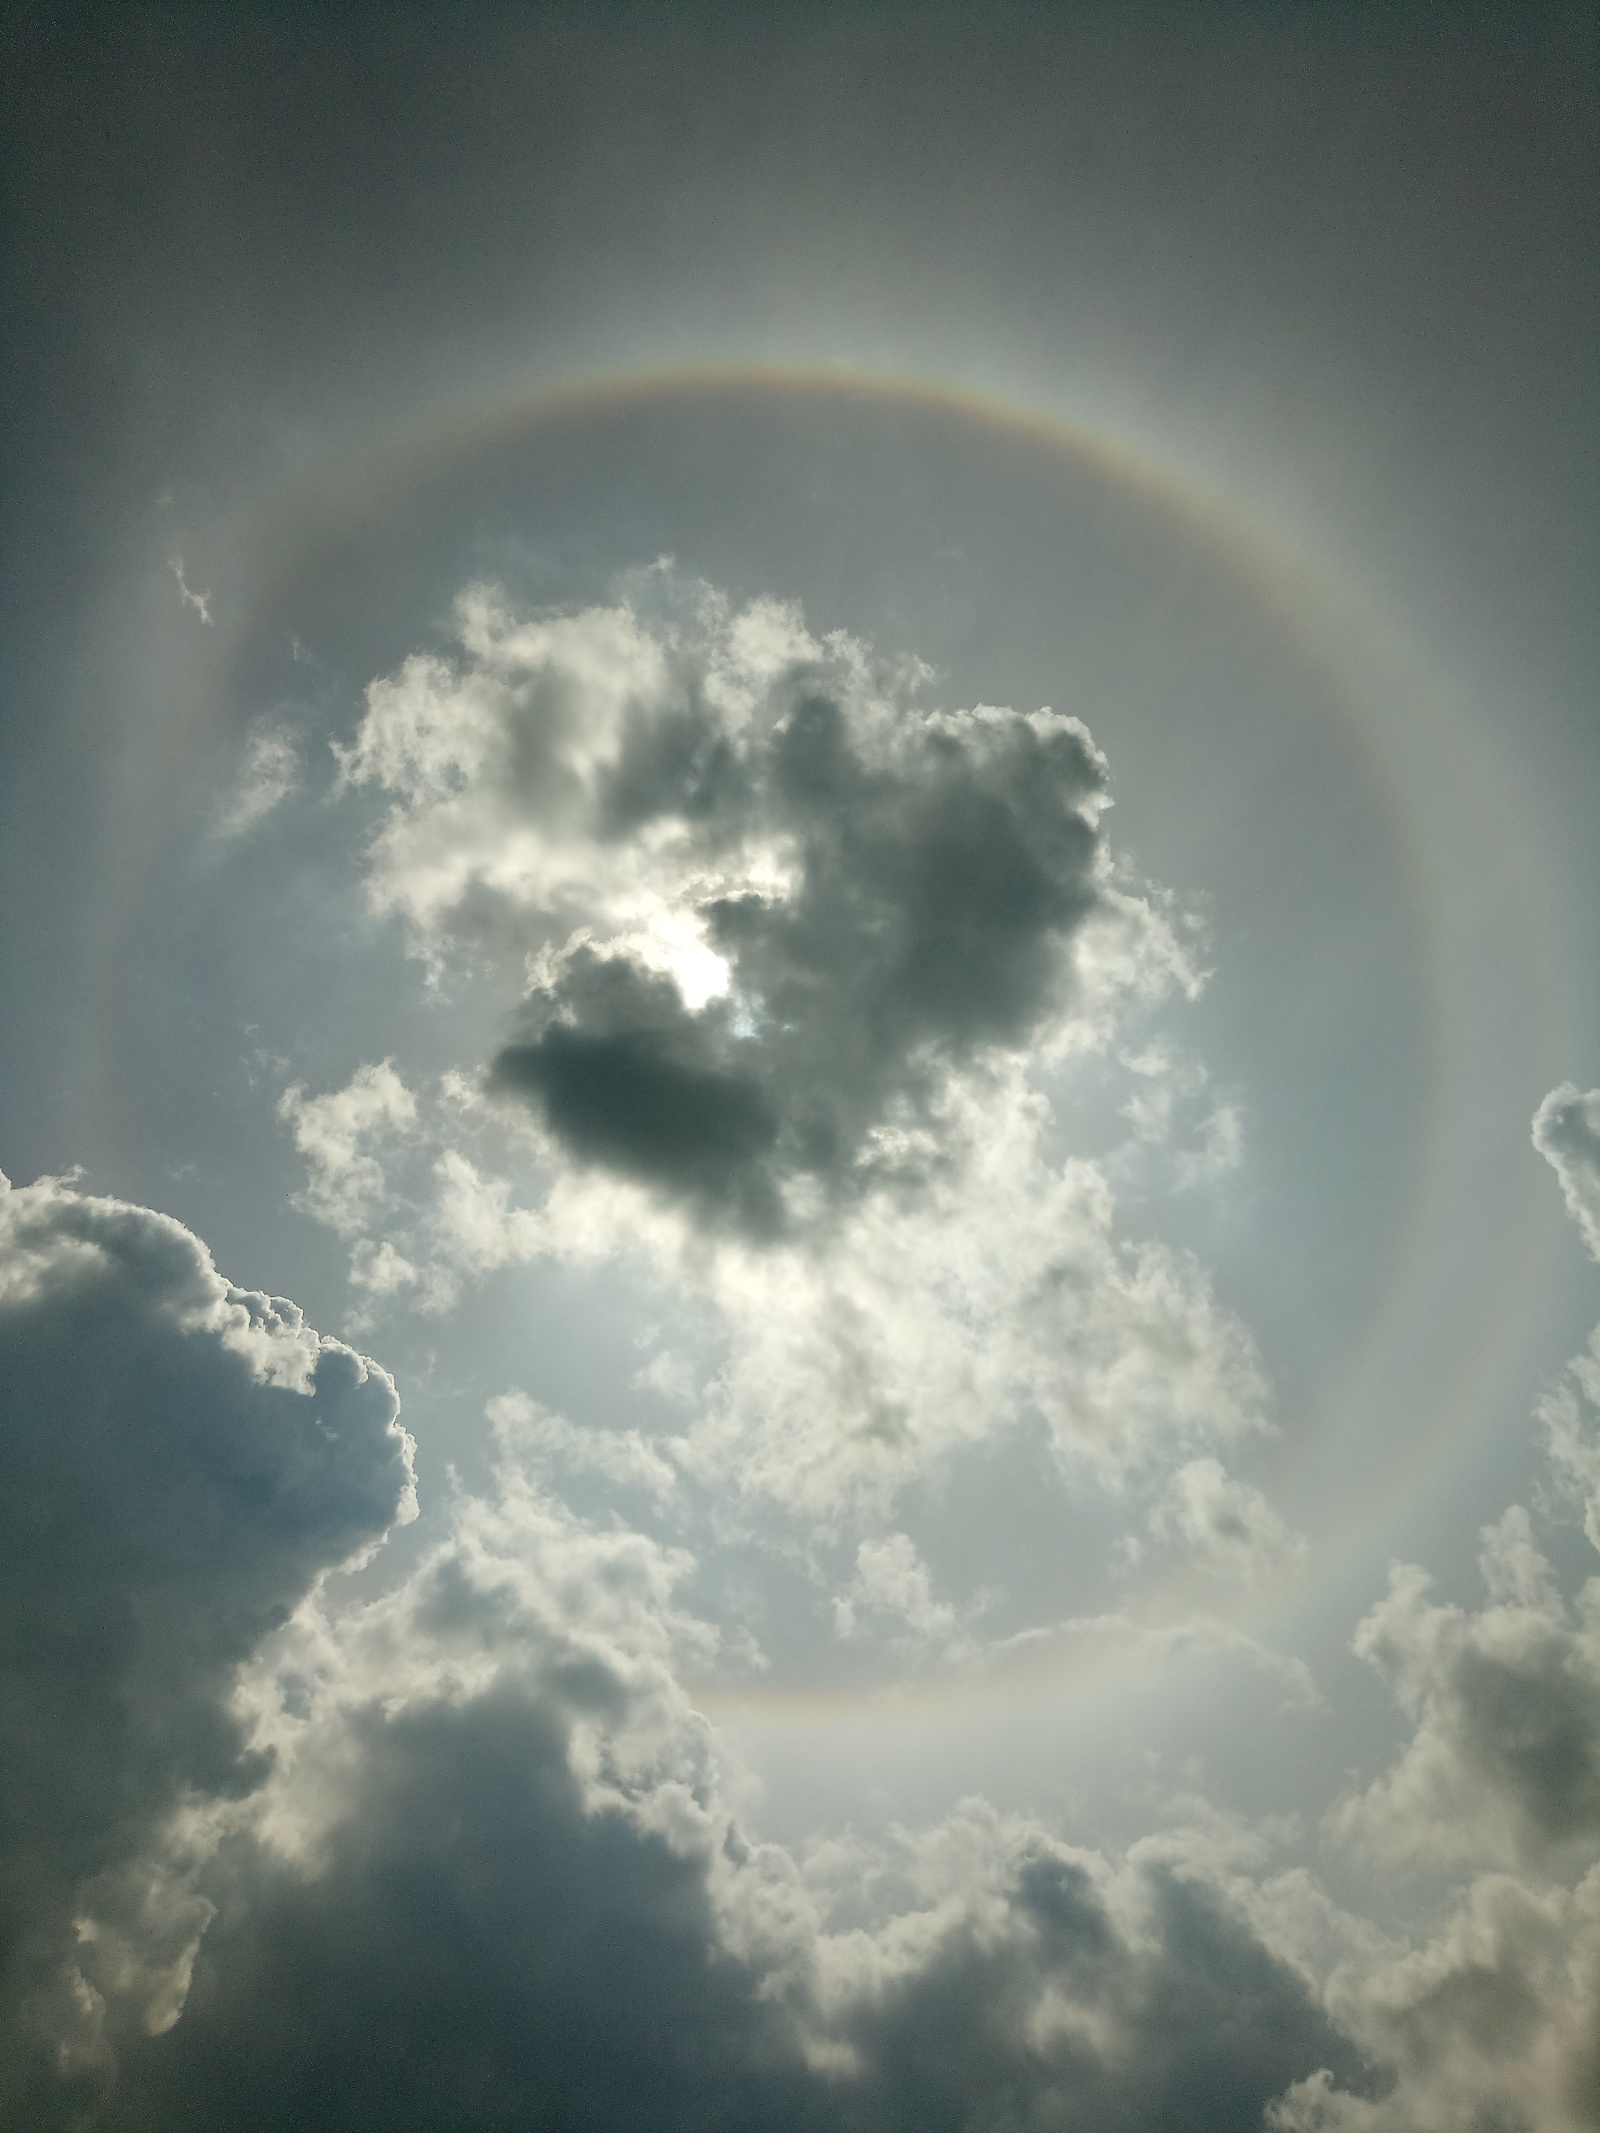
799, 1096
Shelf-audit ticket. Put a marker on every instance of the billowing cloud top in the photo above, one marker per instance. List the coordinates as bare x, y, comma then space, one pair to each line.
795, 950
463, 1848
772, 901
180, 1461
457, 1846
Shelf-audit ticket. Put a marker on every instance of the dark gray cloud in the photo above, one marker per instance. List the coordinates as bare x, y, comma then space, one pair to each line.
1530, 1721
478, 1953
180, 1460
796, 950
625, 1076
488, 1872
480, 1869
1193, 2028
934, 868
1293, 244
491, 1937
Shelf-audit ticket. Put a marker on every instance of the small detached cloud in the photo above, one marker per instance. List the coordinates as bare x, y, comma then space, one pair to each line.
626, 1458
1171, 1106
269, 773
337, 1134
200, 602
386, 1169
1566, 1132
892, 1585
1227, 1527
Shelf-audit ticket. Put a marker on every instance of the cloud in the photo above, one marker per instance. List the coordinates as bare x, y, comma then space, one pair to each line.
382, 1157
771, 901
800, 954
486, 1856
475, 1941
1184, 1644
346, 1183
1566, 1132
999, 1291
892, 1583
1228, 1527
932, 1320
1491, 2022
1040, 1984
936, 868
502, 1870
1491, 2019
181, 1460
466, 1845
1504, 1763
627, 1079
199, 601
624, 1457
1170, 1105
269, 774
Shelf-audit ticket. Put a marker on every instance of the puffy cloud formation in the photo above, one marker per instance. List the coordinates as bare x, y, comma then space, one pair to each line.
180, 1460
1494, 2018
1505, 1759
500, 1877
483, 1862
1491, 2023
1228, 1526
928, 1322
464, 1852
926, 1327
931, 871
772, 900
799, 951
345, 1184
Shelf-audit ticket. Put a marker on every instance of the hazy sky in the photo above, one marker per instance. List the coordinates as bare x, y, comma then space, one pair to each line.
797, 832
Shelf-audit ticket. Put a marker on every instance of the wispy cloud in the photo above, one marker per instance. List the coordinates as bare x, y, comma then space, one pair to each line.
269, 773
199, 601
